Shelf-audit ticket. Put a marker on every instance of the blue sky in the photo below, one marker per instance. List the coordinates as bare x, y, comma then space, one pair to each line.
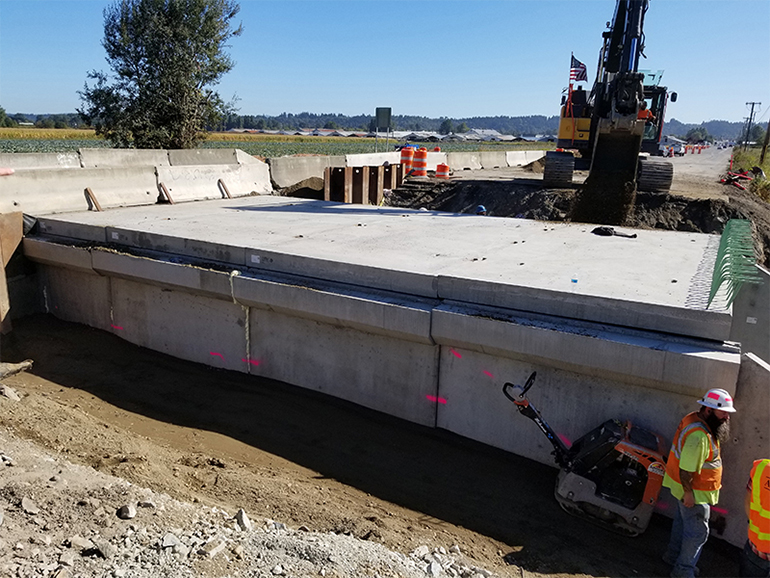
430, 58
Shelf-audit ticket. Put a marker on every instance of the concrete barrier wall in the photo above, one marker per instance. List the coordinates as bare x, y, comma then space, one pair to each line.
101, 158
120, 178
493, 160
49, 191
24, 161
464, 161
288, 171
419, 359
180, 157
199, 182
521, 158
435, 159
373, 159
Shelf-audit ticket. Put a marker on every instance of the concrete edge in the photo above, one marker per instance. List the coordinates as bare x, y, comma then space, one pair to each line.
627, 357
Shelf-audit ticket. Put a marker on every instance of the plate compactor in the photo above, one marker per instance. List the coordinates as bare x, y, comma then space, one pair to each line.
612, 475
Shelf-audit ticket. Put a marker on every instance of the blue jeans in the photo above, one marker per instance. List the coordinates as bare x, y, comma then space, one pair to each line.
752, 565
688, 535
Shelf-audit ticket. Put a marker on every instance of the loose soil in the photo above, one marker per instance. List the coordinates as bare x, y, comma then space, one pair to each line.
280, 452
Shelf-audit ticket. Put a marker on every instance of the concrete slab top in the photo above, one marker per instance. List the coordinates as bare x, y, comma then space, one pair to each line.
668, 270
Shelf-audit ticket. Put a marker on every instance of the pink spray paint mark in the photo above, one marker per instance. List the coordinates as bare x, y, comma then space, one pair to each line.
435, 399
252, 361
457, 355
719, 510
117, 327
488, 374
217, 354
662, 506
565, 440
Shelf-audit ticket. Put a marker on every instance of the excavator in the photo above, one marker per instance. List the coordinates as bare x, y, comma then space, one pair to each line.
607, 129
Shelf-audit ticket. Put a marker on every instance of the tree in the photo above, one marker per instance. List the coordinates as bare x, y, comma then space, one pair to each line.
462, 129
446, 126
165, 55
699, 134
5, 120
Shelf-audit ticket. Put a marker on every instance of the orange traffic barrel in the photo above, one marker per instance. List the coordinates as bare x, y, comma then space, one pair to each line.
442, 171
407, 154
436, 149
420, 163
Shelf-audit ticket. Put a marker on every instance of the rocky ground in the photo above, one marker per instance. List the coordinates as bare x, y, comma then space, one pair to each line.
119, 461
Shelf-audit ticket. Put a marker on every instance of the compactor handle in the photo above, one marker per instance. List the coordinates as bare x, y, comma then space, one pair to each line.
529, 383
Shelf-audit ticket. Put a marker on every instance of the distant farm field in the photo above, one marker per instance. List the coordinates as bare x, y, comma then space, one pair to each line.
33, 140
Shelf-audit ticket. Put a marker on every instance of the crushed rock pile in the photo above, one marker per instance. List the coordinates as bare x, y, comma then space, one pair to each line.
62, 520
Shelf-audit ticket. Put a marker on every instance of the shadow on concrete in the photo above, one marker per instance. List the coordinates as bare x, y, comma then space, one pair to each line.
444, 476
328, 207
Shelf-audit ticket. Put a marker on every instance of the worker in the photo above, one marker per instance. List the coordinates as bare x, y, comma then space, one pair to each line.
694, 477
645, 113
481, 210
755, 560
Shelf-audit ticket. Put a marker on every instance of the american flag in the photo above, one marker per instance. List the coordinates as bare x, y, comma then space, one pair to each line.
577, 71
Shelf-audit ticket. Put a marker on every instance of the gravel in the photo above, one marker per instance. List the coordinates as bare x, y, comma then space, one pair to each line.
62, 520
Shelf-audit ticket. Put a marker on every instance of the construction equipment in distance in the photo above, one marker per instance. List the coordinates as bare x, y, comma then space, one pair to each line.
611, 476
606, 130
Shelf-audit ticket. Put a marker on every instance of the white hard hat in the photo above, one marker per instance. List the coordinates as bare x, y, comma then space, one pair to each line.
718, 399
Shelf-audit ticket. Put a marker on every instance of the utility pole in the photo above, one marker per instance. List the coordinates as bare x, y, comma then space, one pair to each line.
751, 118
764, 146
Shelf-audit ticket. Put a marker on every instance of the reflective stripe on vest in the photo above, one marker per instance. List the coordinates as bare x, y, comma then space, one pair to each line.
710, 476
759, 515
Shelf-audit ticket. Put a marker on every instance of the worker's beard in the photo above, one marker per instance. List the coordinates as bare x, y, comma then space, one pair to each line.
720, 428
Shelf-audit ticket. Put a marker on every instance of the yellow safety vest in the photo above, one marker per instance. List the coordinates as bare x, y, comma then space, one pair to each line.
710, 476
759, 515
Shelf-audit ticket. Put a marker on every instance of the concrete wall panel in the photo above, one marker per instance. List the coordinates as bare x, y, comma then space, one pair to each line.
111, 158
464, 161
77, 296
56, 255
24, 161
215, 284
683, 368
379, 372
373, 159
187, 326
572, 403
288, 171
365, 311
750, 440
